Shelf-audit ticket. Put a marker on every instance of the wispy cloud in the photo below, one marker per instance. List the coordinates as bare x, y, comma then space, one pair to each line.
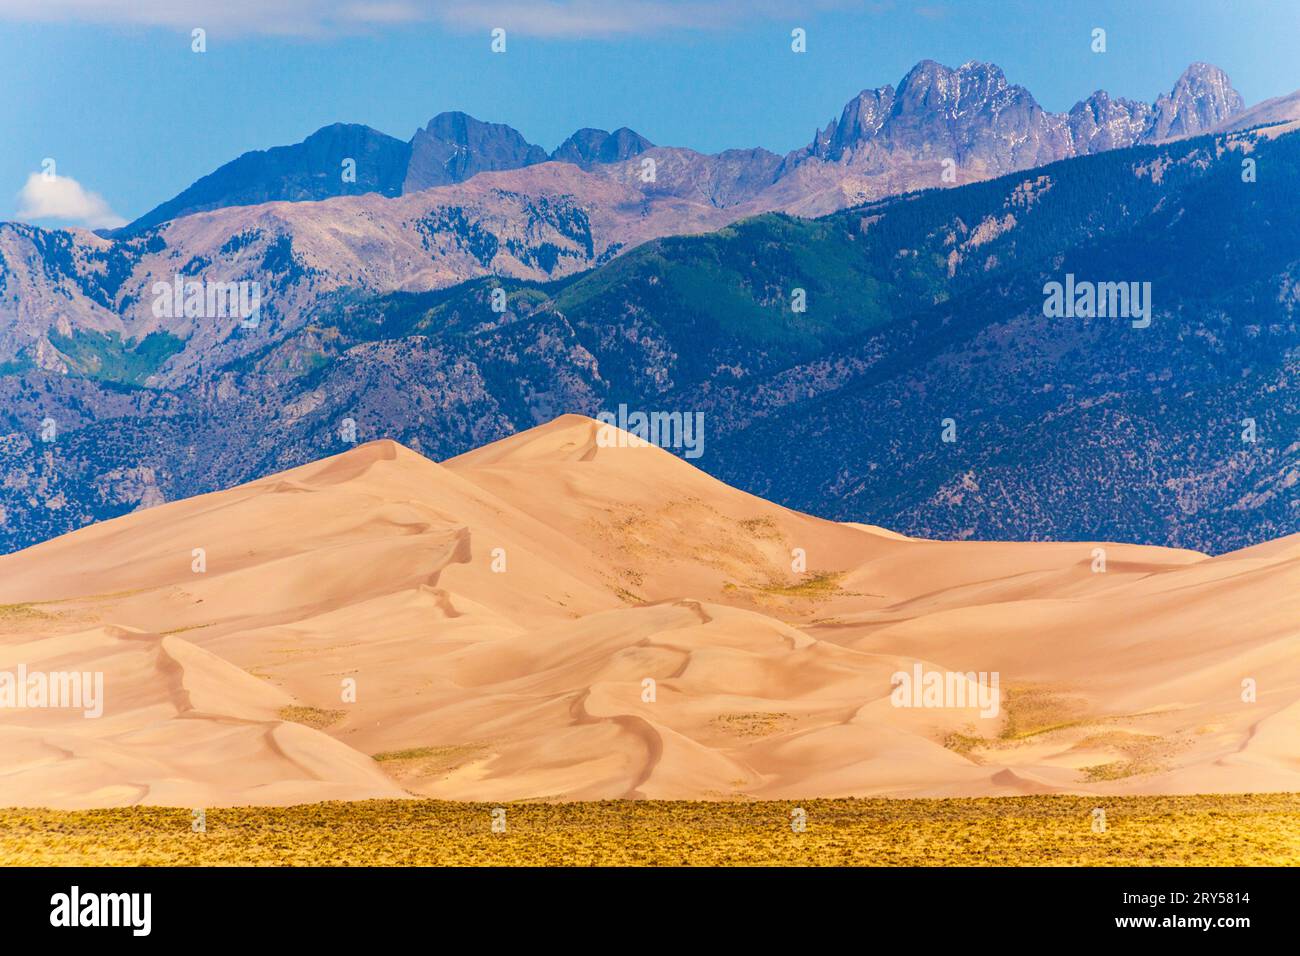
551, 18
63, 198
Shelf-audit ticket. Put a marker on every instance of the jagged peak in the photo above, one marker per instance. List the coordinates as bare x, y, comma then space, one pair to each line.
589, 146
1201, 98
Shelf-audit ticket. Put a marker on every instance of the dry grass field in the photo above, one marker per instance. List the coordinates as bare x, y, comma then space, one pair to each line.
1255, 829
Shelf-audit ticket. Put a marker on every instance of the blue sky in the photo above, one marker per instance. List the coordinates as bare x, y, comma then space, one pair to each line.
112, 92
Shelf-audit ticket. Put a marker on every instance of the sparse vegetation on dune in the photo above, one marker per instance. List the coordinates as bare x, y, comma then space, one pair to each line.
312, 716
1038, 710
818, 584
1232, 830
756, 724
421, 762
23, 612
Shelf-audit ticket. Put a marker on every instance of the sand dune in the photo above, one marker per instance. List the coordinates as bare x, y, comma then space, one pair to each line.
548, 618
181, 727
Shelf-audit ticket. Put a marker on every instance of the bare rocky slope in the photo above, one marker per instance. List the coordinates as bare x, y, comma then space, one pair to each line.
466, 198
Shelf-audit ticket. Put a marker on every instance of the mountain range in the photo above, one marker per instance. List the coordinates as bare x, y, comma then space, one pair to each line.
465, 198
970, 115
923, 304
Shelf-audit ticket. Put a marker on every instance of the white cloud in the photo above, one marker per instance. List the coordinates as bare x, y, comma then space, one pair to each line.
65, 199
555, 18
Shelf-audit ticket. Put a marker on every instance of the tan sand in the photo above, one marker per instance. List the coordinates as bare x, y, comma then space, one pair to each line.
502, 613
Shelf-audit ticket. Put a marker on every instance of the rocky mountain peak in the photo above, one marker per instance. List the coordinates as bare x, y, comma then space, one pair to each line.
973, 115
455, 146
928, 86
861, 120
588, 147
1202, 98
933, 88
308, 170
1100, 122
